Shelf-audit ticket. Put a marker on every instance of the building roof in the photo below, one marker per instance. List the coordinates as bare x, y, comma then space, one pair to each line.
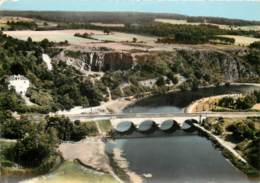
16, 77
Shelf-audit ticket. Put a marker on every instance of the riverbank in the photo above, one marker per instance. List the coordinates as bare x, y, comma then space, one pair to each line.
84, 161
230, 148
113, 106
73, 172
207, 103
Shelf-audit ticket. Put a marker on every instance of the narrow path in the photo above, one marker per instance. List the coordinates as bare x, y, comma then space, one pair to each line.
223, 143
109, 94
98, 128
27, 101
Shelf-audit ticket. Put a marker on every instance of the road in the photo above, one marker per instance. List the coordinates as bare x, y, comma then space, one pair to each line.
158, 115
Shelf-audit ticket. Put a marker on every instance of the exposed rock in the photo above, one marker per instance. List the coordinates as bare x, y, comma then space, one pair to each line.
99, 61
227, 65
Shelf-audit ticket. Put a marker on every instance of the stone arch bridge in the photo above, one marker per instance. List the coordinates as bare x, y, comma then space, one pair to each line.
145, 121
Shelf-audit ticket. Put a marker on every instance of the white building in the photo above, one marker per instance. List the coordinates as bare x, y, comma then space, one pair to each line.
19, 83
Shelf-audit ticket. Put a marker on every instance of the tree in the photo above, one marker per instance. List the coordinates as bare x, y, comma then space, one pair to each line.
32, 150
257, 95
107, 31
227, 102
18, 68
246, 103
255, 44
134, 40
173, 78
243, 130
15, 129
160, 81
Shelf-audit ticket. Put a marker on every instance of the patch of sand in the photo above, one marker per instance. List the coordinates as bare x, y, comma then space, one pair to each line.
206, 104
113, 106
90, 151
256, 106
123, 163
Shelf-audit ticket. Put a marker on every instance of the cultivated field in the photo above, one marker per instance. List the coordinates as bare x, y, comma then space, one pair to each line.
56, 36
175, 22
107, 25
242, 40
123, 37
62, 35
222, 26
5, 19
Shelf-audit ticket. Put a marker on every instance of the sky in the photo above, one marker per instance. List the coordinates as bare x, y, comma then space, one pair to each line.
240, 9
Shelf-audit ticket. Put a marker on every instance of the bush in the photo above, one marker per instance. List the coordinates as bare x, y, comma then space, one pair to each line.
15, 129
246, 103
227, 102
243, 130
255, 44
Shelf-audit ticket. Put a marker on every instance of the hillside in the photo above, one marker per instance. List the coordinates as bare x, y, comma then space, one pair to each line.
119, 17
72, 83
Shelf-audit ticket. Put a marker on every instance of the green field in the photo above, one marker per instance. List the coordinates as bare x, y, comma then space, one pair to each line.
72, 172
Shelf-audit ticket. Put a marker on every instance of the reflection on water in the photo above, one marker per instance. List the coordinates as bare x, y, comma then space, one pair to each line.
177, 101
180, 158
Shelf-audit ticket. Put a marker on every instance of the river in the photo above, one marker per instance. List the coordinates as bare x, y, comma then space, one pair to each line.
177, 101
180, 157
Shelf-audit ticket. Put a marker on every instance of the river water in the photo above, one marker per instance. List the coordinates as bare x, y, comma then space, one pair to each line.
177, 101
180, 157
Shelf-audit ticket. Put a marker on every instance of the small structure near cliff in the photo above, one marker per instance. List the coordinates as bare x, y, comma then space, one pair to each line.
47, 60
19, 82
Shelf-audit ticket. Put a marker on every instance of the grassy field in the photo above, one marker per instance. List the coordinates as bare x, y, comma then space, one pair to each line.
105, 126
71, 172
242, 40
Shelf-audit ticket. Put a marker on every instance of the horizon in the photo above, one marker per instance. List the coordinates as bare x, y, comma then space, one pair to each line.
231, 9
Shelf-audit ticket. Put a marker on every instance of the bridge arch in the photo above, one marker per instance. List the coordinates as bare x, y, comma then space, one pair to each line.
169, 125
125, 126
147, 126
188, 125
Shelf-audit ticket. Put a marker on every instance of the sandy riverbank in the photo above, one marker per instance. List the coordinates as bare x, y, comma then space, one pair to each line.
123, 164
90, 151
113, 106
204, 104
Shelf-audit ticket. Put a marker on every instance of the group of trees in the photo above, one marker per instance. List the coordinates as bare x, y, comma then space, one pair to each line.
188, 38
68, 130
84, 35
37, 142
243, 130
22, 25
247, 134
242, 103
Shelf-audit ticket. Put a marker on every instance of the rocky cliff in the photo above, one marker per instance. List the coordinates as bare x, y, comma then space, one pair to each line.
98, 61
228, 65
